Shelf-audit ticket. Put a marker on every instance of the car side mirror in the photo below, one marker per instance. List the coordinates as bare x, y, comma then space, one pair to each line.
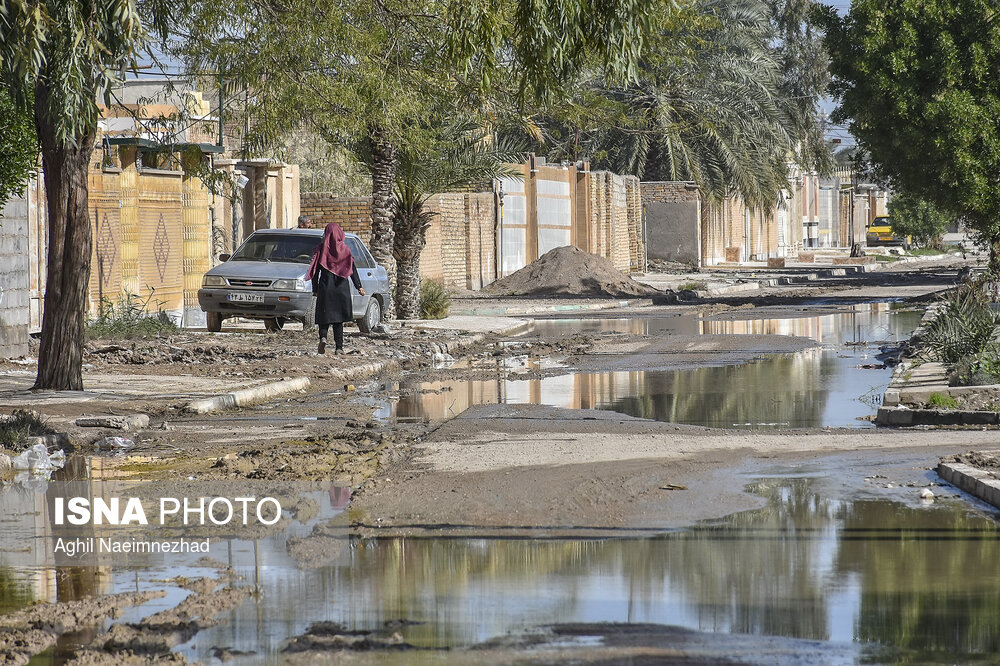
224, 257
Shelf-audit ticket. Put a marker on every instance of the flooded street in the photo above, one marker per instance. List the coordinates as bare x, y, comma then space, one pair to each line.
839, 383
829, 556
729, 504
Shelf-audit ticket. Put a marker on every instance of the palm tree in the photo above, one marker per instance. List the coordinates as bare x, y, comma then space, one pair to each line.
462, 154
708, 104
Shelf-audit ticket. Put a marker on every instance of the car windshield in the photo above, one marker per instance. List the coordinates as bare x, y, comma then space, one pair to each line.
277, 247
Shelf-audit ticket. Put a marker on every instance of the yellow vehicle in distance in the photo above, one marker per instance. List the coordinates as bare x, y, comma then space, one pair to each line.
880, 234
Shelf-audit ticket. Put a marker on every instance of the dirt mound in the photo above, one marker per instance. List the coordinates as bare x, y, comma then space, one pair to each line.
569, 271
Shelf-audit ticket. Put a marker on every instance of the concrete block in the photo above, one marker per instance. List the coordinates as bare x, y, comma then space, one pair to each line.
891, 397
126, 423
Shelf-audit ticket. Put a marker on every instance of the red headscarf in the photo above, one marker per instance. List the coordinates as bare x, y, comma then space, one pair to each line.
332, 254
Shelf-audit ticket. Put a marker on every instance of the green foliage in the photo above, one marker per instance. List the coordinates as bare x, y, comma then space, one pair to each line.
62, 53
18, 147
129, 318
435, 300
915, 216
691, 286
725, 94
916, 81
976, 371
965, 327
20, 425
942, 401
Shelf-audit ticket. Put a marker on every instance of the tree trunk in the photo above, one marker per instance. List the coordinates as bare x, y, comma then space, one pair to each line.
994, 265
60, 356
411, 236
383, 167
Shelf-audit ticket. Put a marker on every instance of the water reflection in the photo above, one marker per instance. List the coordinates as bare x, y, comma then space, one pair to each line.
915, 583
805, 566
820, 387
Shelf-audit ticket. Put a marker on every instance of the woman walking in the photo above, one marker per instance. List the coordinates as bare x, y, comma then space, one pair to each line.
331, 268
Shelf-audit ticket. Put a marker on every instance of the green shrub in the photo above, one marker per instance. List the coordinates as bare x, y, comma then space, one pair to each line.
942, 401
20, 425
129, 318
691, 286
965, 328
435, 301
975, 371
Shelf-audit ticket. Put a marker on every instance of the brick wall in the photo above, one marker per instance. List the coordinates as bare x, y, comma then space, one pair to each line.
669, 192
353, 214
460, 248
14, 279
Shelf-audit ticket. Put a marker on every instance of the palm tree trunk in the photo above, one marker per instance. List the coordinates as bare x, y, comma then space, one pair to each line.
993, 268
60, 356
383, 170
411, 236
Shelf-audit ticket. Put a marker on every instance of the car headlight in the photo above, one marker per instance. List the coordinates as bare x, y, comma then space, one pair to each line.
289, 285
213, 281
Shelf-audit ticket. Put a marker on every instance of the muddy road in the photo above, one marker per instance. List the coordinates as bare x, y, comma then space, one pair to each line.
586, 491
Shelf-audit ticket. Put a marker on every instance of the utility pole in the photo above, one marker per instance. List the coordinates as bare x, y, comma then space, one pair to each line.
222, 94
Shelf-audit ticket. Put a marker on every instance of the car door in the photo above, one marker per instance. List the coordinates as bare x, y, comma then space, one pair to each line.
366, 271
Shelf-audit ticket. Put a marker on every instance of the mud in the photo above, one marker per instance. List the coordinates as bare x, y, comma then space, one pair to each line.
569, 271
32, 630
152, 639
524, 470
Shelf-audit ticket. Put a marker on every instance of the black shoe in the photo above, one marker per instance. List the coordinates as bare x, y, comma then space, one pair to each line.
321, 349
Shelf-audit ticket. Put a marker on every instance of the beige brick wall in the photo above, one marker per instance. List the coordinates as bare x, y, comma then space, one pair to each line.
460, 247
353, 214
461, 241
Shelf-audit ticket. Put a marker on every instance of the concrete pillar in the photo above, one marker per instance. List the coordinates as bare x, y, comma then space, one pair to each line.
129, 156
197, 230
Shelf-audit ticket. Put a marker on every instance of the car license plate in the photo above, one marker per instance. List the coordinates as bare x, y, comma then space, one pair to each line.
245, 297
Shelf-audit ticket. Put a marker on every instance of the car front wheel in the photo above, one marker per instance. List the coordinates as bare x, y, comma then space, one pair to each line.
373, 315
213, 322
309, 320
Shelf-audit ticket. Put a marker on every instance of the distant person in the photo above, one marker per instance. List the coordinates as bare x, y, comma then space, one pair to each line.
331, 268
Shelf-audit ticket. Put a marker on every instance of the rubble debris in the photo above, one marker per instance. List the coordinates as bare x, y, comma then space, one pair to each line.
126, 423
114, 443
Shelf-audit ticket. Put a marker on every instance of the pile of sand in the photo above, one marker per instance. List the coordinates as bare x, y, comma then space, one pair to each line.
569, 271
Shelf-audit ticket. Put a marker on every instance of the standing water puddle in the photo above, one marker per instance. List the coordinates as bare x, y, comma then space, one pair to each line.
869, 576
838, 384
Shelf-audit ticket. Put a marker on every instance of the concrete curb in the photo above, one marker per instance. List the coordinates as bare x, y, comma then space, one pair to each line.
541, 309
364, 371
367, 370
247, 396
972, 480
914, 417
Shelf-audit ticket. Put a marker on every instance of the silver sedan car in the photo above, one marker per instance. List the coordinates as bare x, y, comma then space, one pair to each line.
265, 279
